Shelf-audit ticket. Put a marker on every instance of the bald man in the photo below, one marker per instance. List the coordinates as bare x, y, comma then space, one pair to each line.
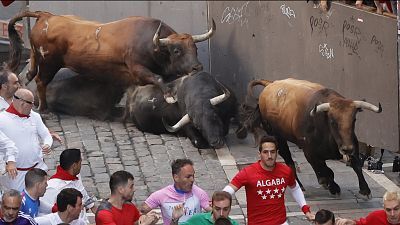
9, 84
31, 137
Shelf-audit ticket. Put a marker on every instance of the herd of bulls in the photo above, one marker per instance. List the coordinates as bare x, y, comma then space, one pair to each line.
167, 91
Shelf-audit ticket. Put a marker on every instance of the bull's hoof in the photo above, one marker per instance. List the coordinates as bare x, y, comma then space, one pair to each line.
365, 194
334, 188
364, 197
200, 144
323, 182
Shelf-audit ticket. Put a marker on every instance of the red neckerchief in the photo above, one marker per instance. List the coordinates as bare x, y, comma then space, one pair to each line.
12, 110
54, 209
63, 175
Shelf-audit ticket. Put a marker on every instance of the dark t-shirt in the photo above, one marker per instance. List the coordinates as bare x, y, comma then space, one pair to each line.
22, 219
109, 215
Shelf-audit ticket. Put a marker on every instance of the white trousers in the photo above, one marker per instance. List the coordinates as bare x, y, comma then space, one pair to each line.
19, 182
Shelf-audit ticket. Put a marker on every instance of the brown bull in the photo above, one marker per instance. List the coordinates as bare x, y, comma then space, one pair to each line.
317, 119
135, 50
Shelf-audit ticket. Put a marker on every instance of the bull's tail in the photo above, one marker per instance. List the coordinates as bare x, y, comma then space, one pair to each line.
255, 83
15, 39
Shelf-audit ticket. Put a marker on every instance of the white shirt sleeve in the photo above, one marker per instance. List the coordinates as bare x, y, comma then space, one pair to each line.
44, 208
298, 195
48, 199
43, 220
7, 147
43, 131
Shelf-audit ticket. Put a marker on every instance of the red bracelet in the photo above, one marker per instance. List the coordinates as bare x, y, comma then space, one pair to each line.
305, 209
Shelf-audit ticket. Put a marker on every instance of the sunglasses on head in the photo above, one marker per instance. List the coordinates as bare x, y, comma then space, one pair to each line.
29, 102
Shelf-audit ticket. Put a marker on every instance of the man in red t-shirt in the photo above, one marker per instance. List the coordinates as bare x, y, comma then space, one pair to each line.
119, 209
265, 182
390, 215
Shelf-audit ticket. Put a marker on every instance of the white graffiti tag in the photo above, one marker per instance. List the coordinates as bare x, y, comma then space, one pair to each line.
235, 15
287, 11
325, 51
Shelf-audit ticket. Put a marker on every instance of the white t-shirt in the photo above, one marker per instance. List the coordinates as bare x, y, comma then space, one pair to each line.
54, 219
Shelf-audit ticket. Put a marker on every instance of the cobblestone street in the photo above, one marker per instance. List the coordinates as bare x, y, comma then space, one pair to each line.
111, 146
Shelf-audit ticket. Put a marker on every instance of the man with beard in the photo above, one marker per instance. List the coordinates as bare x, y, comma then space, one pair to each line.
183, 191
221, 207
69, 202
10, 214
68, 176
390, 215
118, 209
265, 182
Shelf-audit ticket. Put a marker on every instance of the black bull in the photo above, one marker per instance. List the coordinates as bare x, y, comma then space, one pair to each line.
81, 95
204, 121
317, 119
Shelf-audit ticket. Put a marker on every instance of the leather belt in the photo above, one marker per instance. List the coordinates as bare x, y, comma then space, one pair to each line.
27, 169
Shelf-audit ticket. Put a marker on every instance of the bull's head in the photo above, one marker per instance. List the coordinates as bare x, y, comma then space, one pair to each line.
182, 51
341, 116
207, 121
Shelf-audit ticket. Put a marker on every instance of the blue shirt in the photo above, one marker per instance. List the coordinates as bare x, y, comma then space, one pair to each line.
29, 206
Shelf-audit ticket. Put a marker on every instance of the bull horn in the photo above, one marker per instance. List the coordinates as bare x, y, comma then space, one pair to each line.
185, 120
203, 37
369, 106
156, 40
323, 107
220, 98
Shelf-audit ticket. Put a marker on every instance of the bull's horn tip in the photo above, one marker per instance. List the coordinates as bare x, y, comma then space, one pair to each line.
213, 24
380, 108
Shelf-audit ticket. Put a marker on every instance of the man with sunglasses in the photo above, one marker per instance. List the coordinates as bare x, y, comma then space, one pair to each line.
31, 137
9, 84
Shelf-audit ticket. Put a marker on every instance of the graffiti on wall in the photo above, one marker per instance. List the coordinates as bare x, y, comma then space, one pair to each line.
232, 15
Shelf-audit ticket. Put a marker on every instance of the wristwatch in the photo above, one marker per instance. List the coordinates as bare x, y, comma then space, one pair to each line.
174, 220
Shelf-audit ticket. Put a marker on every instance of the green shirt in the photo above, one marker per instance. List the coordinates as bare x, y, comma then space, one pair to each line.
203, 219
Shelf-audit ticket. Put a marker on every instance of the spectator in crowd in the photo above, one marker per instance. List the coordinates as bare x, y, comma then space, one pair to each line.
68, 176
324, 217
35, 186
265, 182
9, 84
221, 207
390, 215
118, 209
25, 128
182, 191
8, 149
69, 202
10, 213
